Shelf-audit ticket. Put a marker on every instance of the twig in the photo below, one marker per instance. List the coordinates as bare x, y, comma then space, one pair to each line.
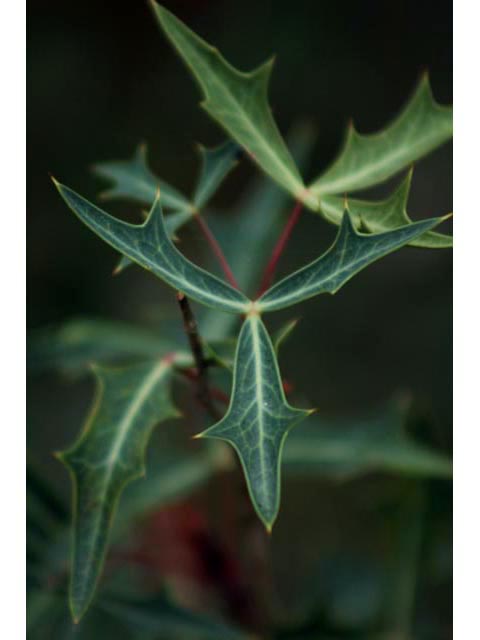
280, 247
212, 241
203, 389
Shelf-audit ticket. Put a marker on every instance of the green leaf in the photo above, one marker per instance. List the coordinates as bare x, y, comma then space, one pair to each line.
344, 448
258, 418
148, 244
350, 253
133, 179
216, 165
108, 455
384, 215
72, 346
173, 222
237, 101
366, 160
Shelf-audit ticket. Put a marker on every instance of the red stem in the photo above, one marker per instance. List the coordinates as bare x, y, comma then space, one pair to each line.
216, 250
280, 248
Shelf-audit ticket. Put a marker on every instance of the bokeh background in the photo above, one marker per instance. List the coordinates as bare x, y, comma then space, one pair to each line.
101, 79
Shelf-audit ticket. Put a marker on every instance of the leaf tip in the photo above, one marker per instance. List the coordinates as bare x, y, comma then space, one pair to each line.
55, 181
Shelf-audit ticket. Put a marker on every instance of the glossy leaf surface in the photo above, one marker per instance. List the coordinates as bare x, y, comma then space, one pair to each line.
150, 246
350, 253
258, 418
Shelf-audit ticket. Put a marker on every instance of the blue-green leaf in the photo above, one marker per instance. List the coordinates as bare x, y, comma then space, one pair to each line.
258, 418
149, 245
108, 455
133, 179
350, 253
216, 165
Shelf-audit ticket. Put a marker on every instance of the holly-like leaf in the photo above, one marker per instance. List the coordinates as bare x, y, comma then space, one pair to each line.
173, 222
344, 448
366, 160
134, 180
108, 455
237, 101
216, 165
258, 418
149, 245
384, 215
350, 253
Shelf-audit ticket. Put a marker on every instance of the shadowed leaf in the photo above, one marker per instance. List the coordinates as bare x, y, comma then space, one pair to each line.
133, 179
108, 455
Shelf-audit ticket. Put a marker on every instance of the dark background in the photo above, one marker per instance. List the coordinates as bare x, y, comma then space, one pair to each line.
101, 78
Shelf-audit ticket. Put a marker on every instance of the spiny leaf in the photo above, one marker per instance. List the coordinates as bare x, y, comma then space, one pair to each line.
133, 179
173, 222
344, 448
237, 101
108, 455
149, 245
258, 418
384, 215
350, 253
366, 160
216, 164
75, 344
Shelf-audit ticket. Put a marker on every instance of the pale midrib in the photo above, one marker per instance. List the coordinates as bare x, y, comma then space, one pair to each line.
133, 409
299, 294
148, 384
174, 280
242, 115
335, 186
259, 394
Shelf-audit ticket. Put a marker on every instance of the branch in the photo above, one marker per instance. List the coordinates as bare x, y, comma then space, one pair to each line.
203, 389
279, 248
